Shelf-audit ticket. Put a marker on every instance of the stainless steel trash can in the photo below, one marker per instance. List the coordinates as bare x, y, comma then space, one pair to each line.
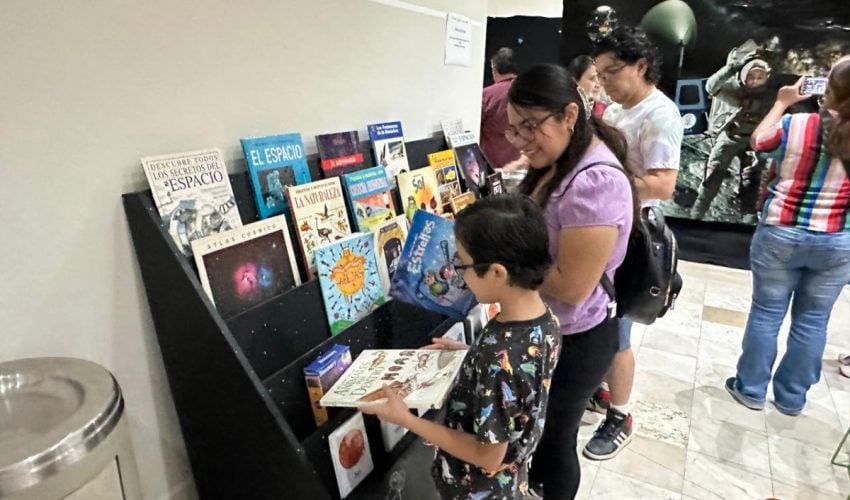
63, 434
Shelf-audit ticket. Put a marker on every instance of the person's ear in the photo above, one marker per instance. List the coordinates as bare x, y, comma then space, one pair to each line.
642, 66
498, 271
571, 114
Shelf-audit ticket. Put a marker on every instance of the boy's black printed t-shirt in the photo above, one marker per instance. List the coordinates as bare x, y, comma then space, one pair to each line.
501, 396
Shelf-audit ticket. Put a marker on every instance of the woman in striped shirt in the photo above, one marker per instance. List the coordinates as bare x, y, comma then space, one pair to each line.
800, 252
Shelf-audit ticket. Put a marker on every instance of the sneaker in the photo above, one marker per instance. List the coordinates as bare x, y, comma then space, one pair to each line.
612, 435
844, 370
600, 401
786, 411
739, 397
844, 359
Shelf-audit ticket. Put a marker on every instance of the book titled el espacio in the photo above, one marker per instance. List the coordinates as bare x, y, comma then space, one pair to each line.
275, 162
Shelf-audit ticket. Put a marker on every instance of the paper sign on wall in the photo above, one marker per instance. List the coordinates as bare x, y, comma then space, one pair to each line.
458, 40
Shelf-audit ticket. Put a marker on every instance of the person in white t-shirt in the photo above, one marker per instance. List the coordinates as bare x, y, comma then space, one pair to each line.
629, 67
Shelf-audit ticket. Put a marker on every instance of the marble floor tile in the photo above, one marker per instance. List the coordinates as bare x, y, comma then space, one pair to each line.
612, 486
841, 400
672, 342
728, 295
817, 425
711, 373
684, 319
693, 290
663, 390
718, 352
713, 402
588, 477
726, 317
797, 462
729, 336
709, 478
668, 364
731, 443
655, 462
787, 491
660, 423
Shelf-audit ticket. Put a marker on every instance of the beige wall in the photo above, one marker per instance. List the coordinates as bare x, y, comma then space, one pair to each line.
542, 8
87, 88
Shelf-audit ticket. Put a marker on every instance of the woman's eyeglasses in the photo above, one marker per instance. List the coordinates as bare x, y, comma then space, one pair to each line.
526, 130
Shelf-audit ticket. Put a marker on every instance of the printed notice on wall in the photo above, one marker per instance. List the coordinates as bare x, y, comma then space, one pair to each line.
458, 40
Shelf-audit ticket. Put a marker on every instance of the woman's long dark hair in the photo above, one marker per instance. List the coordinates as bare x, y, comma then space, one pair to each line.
551, 87
838, 128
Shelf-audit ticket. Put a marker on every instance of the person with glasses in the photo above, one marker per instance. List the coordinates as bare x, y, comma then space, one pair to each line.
495, 412
629, 68
576, 175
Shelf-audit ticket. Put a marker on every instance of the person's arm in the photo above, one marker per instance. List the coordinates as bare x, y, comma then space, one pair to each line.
716, 81
660, 145
583, 254
459, 444
765, 137
657, 183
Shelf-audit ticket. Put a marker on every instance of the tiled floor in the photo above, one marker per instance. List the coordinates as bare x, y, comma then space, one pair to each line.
693, 441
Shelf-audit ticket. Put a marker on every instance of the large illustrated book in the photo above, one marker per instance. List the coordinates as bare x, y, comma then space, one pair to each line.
274, 162
350, 280
475, 168
369, 196
423, 377
425, 275
418, 190
247, 265
193, 195
390, 151
319, 216
350, 454
339, 153
389, 241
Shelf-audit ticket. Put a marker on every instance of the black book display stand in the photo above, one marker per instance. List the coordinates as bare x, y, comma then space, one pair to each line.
237, 382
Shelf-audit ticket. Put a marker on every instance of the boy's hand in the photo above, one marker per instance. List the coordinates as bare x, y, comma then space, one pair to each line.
391, 409
446, 344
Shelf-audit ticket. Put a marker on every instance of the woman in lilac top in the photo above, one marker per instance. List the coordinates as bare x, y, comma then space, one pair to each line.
576, 177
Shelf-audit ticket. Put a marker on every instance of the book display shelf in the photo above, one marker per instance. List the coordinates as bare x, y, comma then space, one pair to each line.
237, 382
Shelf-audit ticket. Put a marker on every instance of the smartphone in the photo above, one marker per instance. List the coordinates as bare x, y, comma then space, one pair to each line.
813, 86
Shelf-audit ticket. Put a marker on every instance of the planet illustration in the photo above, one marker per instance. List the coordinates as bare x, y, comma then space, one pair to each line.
351, 449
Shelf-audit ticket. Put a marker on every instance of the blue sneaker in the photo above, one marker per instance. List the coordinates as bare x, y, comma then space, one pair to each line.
750, 403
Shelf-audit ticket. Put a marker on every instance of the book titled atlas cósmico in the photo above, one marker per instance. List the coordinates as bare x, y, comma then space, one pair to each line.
425, 275
422, 376
319, 216
193, 195
274, 162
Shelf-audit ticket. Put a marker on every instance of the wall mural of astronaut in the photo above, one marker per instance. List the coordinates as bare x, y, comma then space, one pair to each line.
724, 61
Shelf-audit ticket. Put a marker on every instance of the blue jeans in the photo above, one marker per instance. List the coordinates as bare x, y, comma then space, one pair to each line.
807, 270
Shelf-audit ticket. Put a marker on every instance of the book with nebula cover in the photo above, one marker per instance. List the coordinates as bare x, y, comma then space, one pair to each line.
248, 265
350, 280
390, 151
369, 196
339, 153
425, 275
474, 167
274, 162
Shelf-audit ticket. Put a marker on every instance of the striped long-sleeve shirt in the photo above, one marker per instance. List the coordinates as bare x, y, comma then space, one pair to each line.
811, 189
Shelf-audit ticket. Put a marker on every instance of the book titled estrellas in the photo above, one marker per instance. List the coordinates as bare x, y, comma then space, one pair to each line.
423, 377
193, 195
425, 275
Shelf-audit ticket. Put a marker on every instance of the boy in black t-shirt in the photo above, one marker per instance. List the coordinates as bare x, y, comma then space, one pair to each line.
496, 410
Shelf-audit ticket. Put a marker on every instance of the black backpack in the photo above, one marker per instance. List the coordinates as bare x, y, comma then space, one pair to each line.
647, 282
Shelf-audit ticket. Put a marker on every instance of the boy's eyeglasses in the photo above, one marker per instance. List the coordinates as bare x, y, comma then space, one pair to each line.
526, 130
461, 267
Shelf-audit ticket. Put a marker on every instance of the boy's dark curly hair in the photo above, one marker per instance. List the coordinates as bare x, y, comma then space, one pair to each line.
631, 45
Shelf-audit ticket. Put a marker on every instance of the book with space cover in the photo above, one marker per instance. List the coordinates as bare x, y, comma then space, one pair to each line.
321, 374
193, 195
247, 265
418, 190
389, 240
475, 168
339, 153
451, 127
350, 281
274, 162
350, 453
423, 377
425, 276
319, 216
390, 151
369, 196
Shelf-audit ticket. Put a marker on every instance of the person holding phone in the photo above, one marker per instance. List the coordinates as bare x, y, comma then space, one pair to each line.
800, 253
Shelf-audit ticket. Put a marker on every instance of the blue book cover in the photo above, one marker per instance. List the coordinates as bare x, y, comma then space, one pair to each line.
425, 276
390, 151
275, 162
368, 194
349, 278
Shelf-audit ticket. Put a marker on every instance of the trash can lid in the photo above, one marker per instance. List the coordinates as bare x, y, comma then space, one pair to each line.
53, 411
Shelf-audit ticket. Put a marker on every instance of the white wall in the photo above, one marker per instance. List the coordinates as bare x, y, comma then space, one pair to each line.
87, 88
542, 8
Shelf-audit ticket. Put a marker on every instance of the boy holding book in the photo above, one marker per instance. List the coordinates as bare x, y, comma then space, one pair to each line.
496, 410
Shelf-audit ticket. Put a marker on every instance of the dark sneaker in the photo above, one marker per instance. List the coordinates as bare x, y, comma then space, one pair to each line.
600, 401
612, 435
750, 403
